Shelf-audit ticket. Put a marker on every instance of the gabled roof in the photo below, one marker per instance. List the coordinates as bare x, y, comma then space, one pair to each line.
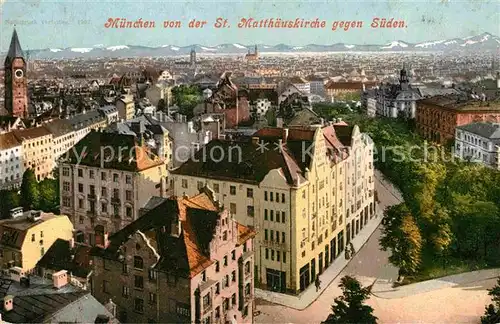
186, 255
486, 130
15, 49
60, 256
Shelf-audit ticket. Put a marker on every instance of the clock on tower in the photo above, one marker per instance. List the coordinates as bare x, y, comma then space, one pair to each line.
16, 94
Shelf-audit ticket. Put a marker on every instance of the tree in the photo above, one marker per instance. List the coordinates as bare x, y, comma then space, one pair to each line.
401, 235
49, 195
492, 311
350, 308
8, 199
30, 194
187, 97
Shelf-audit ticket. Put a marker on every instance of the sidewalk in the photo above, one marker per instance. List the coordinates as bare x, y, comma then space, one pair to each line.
384, 289
388, 195
308, 296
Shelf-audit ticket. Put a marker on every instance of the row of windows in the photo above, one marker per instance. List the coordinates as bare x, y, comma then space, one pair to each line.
280, 256
269, 215
271, 236
270, 196
91, 175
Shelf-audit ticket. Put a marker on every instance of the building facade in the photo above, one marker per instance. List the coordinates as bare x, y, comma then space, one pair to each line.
438, 117
11, 161
104, 182
479, 142
27, 236
184, 261
37, 150
306, 192
126, 107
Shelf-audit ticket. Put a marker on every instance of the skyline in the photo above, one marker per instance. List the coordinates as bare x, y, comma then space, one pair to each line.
64, 24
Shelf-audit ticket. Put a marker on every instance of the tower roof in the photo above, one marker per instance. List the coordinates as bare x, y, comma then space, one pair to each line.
15, 49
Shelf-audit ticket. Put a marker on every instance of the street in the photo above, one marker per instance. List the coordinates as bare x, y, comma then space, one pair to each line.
463, 303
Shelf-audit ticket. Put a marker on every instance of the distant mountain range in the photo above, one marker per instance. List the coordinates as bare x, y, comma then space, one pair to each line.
480, 43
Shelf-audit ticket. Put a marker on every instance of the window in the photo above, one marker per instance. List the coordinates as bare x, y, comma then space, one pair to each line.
115, 177
278, 256
104, 207
116, 210
283, 217
104, 192
138, 262
224, 236
272, 255
152, 298
66, 202
249, 193
272, 215
128, 179
81, 203
233, 299
267, 253
66, 171
139, 305
183, 309
125, 268
271, 196
265, 214
80, 187
277, 236
103, 176
91, 174
233, 276
128, 195
80, 173
204, 276
233, 255
265, 195
232, 190
152, 274
128, 211
217, 312
272, 235
282, 198
232, 208
277, 197
217, 288
265, 235
125, 292
284, 257
282, 237
206, 300
199, 185
116, 193
32, 237
217, 266
225, 260
139, 282
66, 186
105, 287
41, 233
216, 187
250, 211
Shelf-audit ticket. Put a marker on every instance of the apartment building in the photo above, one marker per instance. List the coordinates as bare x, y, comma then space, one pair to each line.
126, 107
104, 181
84, 123
437, 117
25, 237
63, 137
479, 142
37, 148
186, 260
11, 161
306, 191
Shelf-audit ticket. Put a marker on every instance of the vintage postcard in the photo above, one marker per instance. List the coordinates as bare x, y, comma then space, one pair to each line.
250, 161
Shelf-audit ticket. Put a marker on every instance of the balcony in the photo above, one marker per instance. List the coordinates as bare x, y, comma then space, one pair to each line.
91, 196
115, 200
274, 244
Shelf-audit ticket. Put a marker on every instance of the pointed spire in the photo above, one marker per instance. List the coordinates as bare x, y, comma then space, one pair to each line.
15, 49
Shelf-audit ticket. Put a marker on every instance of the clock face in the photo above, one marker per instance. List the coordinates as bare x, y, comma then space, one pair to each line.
19, 73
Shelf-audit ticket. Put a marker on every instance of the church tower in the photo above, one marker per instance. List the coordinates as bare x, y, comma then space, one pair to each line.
16, 84
404, 78
192, 57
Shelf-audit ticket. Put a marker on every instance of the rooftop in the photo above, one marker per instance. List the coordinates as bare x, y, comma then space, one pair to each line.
460, 103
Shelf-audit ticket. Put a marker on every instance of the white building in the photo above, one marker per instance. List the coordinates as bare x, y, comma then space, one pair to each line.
11, 161
479, 142
302, 84
262, 106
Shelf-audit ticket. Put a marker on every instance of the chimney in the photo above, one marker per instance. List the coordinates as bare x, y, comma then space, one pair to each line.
285, 135
339, 120
176, 228
106, 240
279, 122
60, 279
8, 303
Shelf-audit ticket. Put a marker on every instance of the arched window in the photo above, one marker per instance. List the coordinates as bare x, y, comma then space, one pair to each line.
138, 262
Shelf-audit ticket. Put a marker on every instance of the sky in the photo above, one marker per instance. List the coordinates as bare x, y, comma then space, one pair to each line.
80, 23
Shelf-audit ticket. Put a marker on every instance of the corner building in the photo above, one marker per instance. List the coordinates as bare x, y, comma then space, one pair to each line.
305, 191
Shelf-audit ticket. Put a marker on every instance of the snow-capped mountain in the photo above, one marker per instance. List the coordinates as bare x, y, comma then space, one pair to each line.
478, 43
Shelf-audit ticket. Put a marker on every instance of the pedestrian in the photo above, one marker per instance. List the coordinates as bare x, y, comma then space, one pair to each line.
317, 282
